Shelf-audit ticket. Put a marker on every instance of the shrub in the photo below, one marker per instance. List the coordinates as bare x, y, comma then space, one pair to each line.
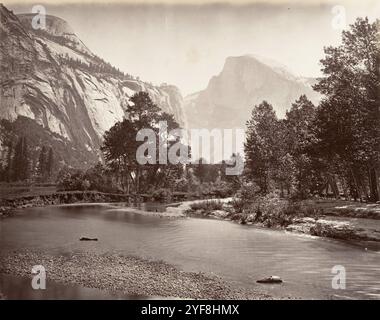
303, 209
162, 194
207, 206
238, 204
95, 178
222, 189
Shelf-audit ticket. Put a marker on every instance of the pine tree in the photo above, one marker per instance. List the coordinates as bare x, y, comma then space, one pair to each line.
21, 160
42, 164
9, 163
50, 163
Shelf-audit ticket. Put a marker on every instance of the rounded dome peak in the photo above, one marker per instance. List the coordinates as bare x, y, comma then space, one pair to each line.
54, 25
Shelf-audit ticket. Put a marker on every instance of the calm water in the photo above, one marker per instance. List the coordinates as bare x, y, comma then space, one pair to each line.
240, 254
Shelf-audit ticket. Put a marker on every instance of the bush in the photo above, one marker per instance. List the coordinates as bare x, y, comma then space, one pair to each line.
162, 194
95, 178
222, 189
238, 204
207, 206
271, 210
71, 180
303, 209
181, 185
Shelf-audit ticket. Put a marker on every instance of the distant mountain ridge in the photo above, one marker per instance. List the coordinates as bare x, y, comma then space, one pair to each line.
50, 76
244, 82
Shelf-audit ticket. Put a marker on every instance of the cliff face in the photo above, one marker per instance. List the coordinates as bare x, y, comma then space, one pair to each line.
243, 83
50, 76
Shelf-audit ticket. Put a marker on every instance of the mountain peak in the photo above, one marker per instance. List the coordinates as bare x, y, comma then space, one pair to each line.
276, 66
55, 28
54, 25
245, 81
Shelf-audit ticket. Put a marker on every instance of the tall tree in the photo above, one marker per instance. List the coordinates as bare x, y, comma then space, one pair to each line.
348, 119
50, 163
119, 150
200, 170
262, 146
21, 160
41, 166
299, 137
9, 163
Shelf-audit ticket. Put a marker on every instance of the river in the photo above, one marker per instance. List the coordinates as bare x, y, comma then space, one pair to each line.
239, 254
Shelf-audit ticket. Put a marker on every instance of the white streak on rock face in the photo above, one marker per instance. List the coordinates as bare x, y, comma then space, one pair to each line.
102, 103
23, 110
55, 125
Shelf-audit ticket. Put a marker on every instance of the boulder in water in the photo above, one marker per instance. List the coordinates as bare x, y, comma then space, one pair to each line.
88, 239
271, 279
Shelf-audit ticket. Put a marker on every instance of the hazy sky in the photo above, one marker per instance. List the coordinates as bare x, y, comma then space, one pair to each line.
187, 44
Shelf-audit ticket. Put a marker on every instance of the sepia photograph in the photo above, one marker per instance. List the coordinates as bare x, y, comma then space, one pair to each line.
197, 150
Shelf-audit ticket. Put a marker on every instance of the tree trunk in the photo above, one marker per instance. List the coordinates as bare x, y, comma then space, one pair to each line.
377, 179
356, 185
373, 185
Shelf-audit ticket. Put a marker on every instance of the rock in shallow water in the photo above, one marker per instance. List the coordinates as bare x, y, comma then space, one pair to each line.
271, 279
88, 239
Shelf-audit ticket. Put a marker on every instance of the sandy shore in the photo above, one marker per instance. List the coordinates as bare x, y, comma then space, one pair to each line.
130, 275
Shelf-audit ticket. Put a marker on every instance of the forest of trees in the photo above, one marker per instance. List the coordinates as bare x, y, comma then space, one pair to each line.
333, 147
19, 165
98, 66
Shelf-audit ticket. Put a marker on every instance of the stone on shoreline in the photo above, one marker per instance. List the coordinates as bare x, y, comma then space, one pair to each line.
220, 214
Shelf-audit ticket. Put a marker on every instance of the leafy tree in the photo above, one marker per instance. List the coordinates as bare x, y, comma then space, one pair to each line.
200, 170
348, 119
306, 169
120, 147
119, 150
262, 146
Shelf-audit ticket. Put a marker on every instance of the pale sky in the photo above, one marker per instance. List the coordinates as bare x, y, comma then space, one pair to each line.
187, 44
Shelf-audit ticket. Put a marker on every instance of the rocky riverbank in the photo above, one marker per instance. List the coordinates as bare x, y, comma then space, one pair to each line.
348, 229
351, 222
130, 275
